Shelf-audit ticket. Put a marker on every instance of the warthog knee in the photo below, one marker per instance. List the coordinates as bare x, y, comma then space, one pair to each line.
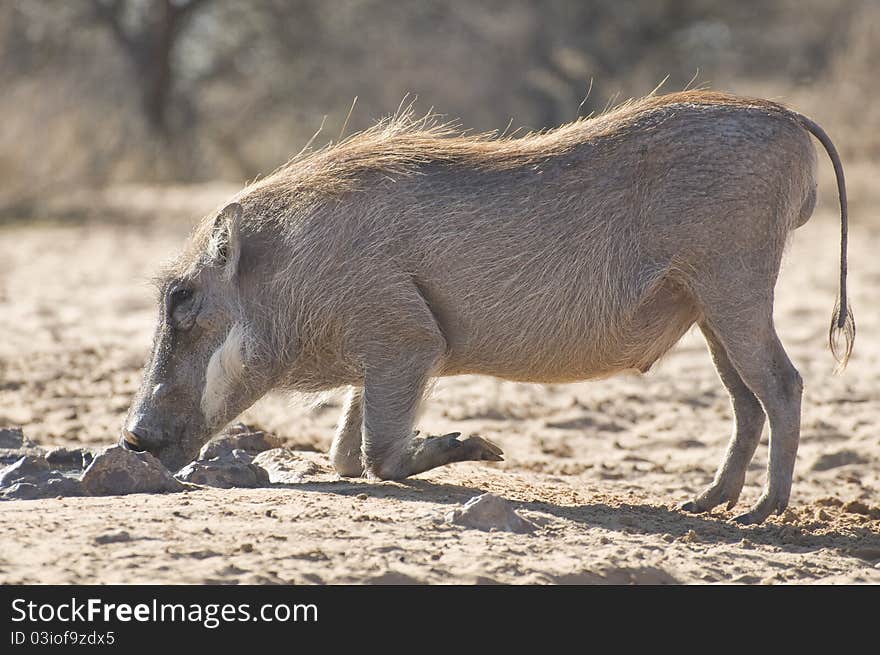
348, 465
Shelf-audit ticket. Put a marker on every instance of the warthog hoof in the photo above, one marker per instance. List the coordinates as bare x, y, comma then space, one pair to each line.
427, 453
472, 449
767, 504
720, 491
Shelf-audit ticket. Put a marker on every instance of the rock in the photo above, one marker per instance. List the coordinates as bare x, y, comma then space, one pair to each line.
225, 472
239, 437
69, 458
20, 491
14, 446
11, 438
27, 466
49, 485
294, 467
117, 471
488, 512
12, 455
31, 477
112, 537
61, 485
72, 458
840, 458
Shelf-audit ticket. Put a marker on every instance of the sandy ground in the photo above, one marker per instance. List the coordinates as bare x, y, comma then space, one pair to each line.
601, 466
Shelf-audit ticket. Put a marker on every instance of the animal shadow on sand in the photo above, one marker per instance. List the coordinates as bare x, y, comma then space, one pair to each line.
410, 490
714, 528
632, 518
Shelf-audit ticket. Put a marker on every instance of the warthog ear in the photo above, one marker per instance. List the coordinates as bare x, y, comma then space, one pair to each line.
225, 248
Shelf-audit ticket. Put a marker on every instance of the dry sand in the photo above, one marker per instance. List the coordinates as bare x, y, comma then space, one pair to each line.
600, 466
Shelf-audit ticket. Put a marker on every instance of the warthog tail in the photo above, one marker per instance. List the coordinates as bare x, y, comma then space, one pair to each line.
842, 320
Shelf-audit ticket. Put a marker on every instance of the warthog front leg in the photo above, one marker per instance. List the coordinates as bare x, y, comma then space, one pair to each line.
345, 452
748, 425
391, 450
756, 353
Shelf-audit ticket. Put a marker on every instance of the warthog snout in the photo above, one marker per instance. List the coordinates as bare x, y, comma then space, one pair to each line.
150, 429
138, 435
130, 441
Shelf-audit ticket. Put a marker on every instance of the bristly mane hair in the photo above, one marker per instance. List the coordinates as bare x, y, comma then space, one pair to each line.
399, 143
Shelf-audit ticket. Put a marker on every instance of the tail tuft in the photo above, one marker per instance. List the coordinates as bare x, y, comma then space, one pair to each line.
843, 325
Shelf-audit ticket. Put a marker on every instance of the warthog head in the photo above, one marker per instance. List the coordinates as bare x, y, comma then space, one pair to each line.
197, 378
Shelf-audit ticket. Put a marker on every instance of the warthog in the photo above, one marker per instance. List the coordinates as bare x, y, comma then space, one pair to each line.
409, 251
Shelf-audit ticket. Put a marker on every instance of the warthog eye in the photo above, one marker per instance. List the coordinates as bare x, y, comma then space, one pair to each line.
179, 309
180, 295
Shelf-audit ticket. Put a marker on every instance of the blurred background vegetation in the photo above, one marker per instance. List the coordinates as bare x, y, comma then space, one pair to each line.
101, 93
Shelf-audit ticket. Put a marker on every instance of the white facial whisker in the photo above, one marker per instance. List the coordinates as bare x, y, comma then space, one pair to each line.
224, 369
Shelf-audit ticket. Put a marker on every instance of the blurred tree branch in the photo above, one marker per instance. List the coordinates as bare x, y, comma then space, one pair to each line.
149, 47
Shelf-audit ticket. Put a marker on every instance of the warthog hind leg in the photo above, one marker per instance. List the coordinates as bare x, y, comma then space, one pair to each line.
747, 334
748, 424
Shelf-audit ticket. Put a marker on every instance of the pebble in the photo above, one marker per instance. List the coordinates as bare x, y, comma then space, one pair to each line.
112, 537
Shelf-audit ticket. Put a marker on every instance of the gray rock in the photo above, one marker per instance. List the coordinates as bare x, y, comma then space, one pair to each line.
294, 467
62, 485
25, 467
13, 444
20, 491
225, 472
489, 512
112, 537
117, 471
239, 437
69, 458
11, 438
12, 455
31, 477
48, 485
